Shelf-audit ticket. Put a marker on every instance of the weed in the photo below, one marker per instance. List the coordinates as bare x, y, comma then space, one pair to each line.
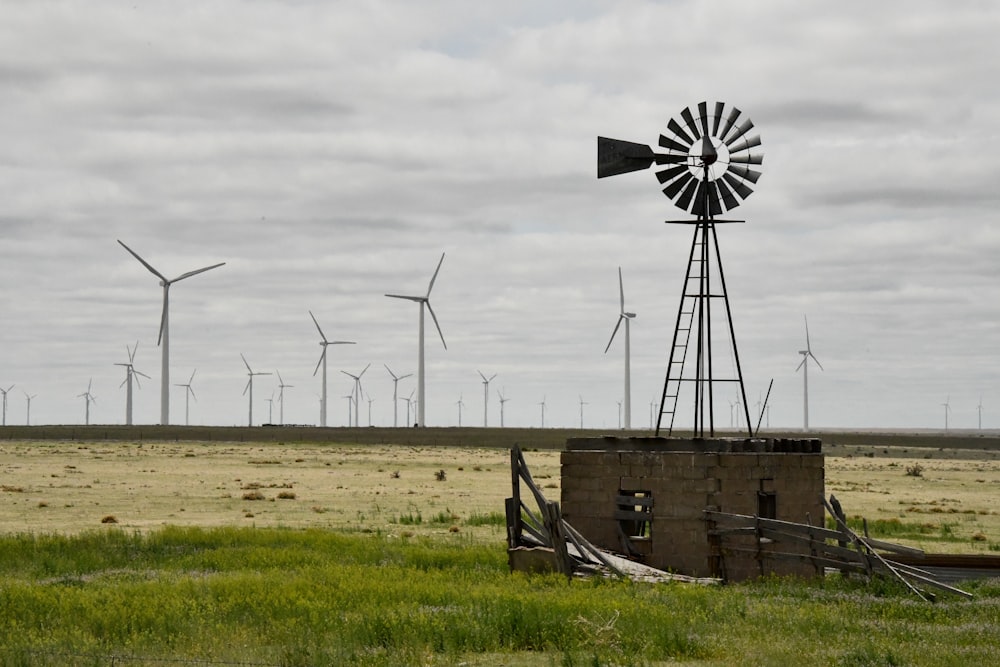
253, 495
286, 495
110, 518
915, 470
440, 475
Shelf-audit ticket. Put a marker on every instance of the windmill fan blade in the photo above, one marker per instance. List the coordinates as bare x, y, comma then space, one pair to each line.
747, 174
734, 113
684, 201
737, 185
739, 132
727, 195
615, 156
700, 207
671, 144
717, 116
612, 339
714, 207
434, 317
689, 120
703, 116
746, 144
674, 188
675, 127
671, 158
747, 159
670, 174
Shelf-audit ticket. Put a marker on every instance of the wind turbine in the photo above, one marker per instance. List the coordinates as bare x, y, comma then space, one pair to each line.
423, 301
88, 399
619, 414
459, 403
581, 411
502, 401
357, 391
4, 392
804, 365
486, 395
249, 386
188, 394
370, 401
395, 386
543, 411
164, 338
281, 397
129, 373
350, 404
27, 420
322, 361
270, 408
947, 409
626, 316
409, 400
979, 408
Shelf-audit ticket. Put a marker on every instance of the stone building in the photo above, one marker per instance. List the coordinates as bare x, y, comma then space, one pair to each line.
647, 497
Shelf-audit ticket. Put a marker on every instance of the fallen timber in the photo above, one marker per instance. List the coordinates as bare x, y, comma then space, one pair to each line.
539, 539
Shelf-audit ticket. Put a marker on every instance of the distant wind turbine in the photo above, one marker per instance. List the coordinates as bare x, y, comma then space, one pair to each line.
27, 420
249, 386
543, 411
581, 411
188, 395
370, 401
130, 372
947, 409
626, 316
502, 401
281, 397
350, 407
4, 392
423, 301
270, 408
486, 395
460, 403
164, 338
322, 361
804, 365
979, 408
619, 414
409, 401
395, 400
88, 399
357, 392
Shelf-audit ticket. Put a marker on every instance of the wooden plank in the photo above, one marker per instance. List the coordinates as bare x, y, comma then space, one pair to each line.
775, 523
626, 515
629, 501
591, 548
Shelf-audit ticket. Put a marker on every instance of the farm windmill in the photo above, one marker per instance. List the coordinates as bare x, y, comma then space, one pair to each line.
705, 172
164, 338
624, 316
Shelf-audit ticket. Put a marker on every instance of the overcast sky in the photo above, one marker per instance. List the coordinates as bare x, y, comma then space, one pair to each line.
329, 152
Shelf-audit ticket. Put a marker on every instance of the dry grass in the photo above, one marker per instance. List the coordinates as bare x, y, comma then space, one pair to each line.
67, 487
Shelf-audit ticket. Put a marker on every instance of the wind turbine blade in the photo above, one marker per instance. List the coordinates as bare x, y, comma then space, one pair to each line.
481, 375
406, 376
191, 389
621, 288
196, 272
408, 298
245, 363
192, 376
434, 317
390, 372
321, 357
248, 385
363, 372
349, 375
321, 334
808, 349
163, 313
816, 360
618, 324
801, 363
492, 376
434, 277
135, 372
145, 263
280, 381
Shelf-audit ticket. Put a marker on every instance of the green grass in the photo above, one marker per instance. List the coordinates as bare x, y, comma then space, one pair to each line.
311, 597
902, 530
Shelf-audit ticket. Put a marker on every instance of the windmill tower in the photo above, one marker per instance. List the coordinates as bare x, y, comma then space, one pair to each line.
542, 404
705, 172
626, 317
460, 403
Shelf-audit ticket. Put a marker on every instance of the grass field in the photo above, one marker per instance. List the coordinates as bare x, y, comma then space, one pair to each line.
303, 552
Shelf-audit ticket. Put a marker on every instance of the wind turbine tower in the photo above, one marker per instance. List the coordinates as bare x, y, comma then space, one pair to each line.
979, 408
581, 411
357, 392
88, 399
188, 394
947, 409
4, 392
395, 400
249, 386
459, 403
486, 395
423, 301
322, 362
129, 373
543, 411
502, 401
164, 338
626, 316
804, 365
27, 420
281, 398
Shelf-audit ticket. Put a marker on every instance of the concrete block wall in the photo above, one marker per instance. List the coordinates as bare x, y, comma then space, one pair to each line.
686, 477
